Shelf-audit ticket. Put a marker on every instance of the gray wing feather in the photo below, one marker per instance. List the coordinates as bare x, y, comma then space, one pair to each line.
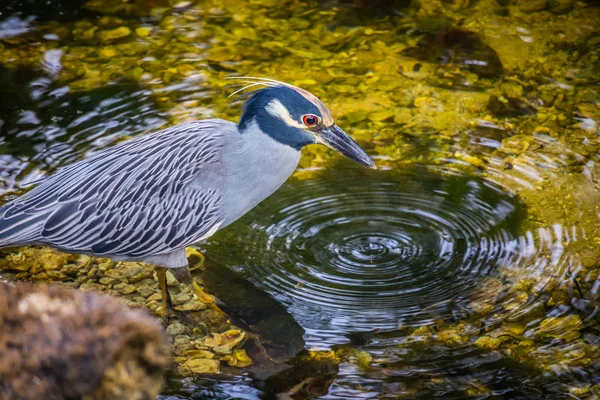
142, 197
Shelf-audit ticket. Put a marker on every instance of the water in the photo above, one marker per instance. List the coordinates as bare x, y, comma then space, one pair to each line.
48, 126
465, 267
354, 251
367, 259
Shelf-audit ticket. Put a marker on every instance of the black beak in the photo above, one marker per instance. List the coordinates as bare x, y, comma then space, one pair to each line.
332, 136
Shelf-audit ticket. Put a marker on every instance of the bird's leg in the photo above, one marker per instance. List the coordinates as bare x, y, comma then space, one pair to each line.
161, 274
183, 275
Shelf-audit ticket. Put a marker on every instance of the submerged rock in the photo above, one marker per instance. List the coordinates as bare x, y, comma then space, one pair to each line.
561, 6
506, 106
310, 376
532, 5
460, 48
564, 328
57, 343
113, 34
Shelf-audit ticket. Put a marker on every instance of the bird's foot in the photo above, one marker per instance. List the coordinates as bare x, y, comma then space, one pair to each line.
209, 300
184, 276
168, 314
202, 295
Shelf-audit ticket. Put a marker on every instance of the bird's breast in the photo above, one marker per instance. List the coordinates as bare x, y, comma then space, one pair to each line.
256, 166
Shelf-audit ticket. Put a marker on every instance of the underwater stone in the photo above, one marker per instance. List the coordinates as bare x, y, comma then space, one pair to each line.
532, 5
514, 328
113, 34
506, 106
181, 340
175, 329
56, 275
146, 291
70, 269
382, 115
356, 116
171, 280
561, 6
460, 48
403, 116
91, 273
578, 391
564, 328
180, 298
143, 31
422, 331
154, 297
516, 144
363, 359
124, 271
124, 288
488, 342
589, 110
108, 281
193, 305
450, 336
108, 53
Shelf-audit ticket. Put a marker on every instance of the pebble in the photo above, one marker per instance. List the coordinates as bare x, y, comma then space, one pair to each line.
175, 329
181, 340
124, 288
108, 281
193, 306
146, 291
180, 298
488, 343
113, 34
143, 31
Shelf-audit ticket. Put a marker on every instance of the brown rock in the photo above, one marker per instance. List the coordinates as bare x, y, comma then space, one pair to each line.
57, 343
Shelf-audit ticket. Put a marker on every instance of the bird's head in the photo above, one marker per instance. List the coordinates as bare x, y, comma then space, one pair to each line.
296, 118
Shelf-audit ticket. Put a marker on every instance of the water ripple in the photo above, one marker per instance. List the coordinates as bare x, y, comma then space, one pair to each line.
377, 250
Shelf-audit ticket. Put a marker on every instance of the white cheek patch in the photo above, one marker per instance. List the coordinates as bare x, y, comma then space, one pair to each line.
278, 110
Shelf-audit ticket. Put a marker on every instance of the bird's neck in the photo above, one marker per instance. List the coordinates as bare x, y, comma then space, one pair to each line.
260, 151
257, 165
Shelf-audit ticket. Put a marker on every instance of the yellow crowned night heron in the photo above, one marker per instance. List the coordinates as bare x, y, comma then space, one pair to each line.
148, 198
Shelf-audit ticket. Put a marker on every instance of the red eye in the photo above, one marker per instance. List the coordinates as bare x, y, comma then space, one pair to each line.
310, 120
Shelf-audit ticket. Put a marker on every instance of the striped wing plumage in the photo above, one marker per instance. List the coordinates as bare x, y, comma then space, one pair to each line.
143, 197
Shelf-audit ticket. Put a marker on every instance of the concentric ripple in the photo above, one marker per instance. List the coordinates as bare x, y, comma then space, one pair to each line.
375, 250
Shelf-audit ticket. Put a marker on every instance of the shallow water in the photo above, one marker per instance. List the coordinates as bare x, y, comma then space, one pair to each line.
465, 267
358, 250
